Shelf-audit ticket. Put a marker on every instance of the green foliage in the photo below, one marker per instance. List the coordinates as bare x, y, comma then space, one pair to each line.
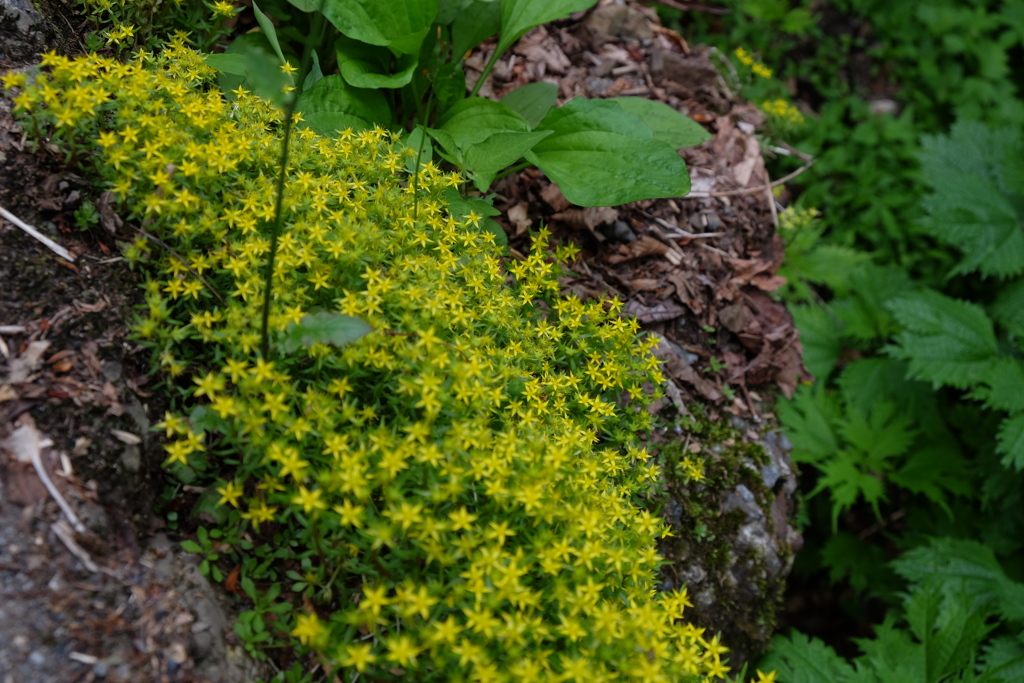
400, 65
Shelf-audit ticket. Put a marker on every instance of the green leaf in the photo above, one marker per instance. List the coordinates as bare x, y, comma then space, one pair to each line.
477, 22
315, 73
1008, 309
973, 173
449, 148
475, 119
532, 101
323, 328
398, 24
1010, 442
947, 341
191, 546
811, 418
819, 335
332, 105
460, 207
304, 5
602, 156
800, 659
484, 159
369, 66
269, 31
519, 16
667, 124
228, 63
419, 142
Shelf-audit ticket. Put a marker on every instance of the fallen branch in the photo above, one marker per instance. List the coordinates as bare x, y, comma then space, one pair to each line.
46, 241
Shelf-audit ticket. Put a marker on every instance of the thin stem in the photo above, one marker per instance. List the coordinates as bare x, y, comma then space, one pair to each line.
486, 72
512, 169
289, 111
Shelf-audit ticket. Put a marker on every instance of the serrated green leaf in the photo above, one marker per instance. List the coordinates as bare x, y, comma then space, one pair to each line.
398, 24
333, 105
1008, 308
519, 16
602, 156
323, 328
1010, 442
947, 341
485, 159
820, 338
667, 124
532, 101
797, 658
880, 433
972, 172
810, 419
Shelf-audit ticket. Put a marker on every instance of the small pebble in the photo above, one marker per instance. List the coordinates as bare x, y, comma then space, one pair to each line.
37, 658
99, 669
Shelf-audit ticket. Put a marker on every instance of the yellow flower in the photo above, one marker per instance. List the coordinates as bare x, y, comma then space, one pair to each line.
308, 629
765, 677
223, 8
360, 656
309, 500
229, 493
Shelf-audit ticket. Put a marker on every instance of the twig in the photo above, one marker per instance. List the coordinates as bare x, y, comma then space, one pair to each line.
178, 256
751, 190
678, 233
771, 205
53, 246
63, 532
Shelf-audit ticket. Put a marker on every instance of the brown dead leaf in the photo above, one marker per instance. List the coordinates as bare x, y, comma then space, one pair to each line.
552, 194
588, 218
645, 246
108, 218
7, 393
517, 215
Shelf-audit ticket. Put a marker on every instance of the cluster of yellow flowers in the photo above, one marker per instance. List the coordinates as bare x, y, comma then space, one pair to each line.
783, 112
793, 219
462, 487
746, 59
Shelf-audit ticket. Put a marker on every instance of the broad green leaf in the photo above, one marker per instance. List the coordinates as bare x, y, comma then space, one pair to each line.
600, 155
485, 159
947, 341
191, 546
476, 23
228, 63
256, 68
460, 207
398, 24
323, 328
449, 83
532, 101
666, 123
419, 142
332, 105
475, 119
449, 148
519, 16
268, 30
304, 5
449, 10
369, 66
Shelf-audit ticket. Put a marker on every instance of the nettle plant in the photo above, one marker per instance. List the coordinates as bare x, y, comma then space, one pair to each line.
452, 491
400, 65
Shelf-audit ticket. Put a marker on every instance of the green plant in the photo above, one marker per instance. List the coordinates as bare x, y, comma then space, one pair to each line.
400, 65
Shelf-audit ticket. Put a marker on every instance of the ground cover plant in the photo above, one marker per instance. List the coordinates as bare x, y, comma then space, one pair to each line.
446, 491
905, 251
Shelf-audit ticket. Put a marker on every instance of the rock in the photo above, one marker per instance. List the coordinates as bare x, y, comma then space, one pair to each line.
28, 28
620, 21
